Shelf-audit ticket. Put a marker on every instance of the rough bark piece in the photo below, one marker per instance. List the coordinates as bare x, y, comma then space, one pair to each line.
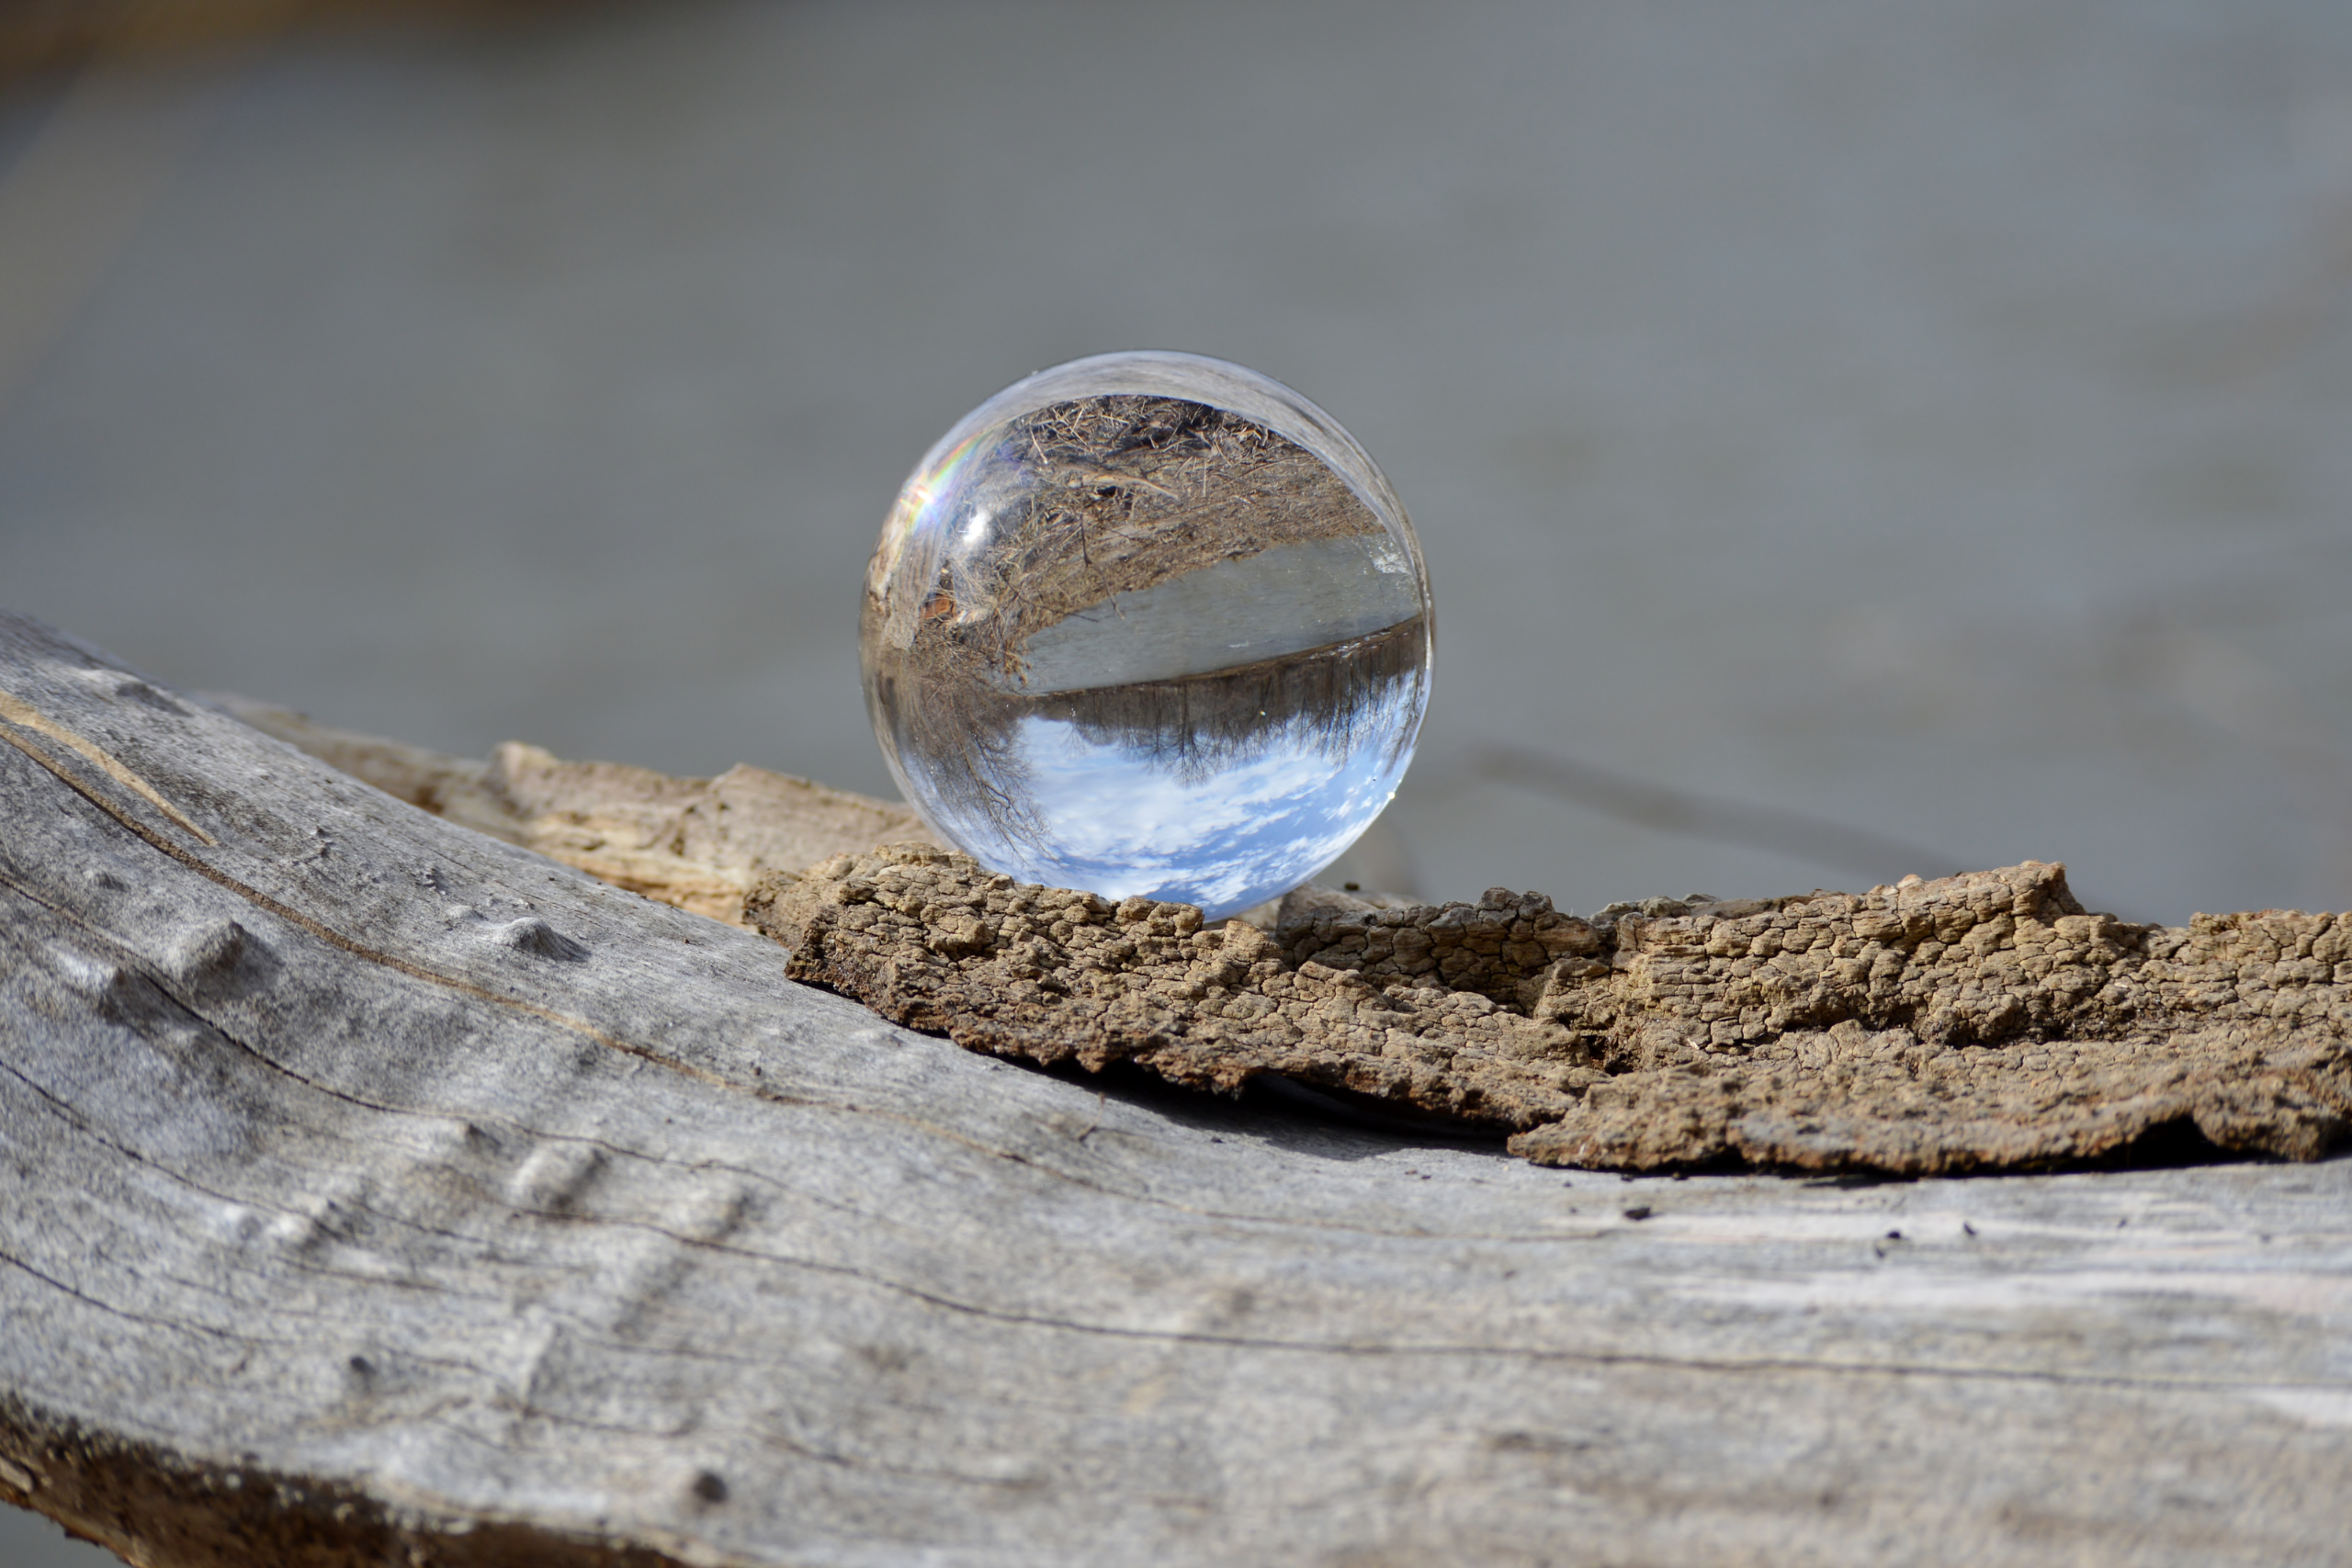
1983, 1021
697, 843
1978, 1023
348, 1219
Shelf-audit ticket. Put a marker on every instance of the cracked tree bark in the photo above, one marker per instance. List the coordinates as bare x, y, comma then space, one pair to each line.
379, 1192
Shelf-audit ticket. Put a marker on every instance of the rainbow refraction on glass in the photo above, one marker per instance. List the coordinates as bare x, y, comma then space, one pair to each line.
1147, 624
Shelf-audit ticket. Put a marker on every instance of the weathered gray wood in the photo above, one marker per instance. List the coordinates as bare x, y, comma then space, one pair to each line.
378, 1193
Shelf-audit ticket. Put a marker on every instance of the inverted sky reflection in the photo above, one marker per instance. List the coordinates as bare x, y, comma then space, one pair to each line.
1124, 822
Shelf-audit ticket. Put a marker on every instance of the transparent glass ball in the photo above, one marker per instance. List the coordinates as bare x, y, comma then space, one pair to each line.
1147, 624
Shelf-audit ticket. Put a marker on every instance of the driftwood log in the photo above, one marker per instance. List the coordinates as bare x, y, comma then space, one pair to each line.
382, 1192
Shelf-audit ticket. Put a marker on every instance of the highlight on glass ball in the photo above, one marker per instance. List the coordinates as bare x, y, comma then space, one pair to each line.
1148, 624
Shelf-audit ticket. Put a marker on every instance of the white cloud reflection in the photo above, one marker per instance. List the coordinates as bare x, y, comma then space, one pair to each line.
1120, 823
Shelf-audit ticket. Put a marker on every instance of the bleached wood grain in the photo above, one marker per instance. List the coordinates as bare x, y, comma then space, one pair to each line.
379, 1192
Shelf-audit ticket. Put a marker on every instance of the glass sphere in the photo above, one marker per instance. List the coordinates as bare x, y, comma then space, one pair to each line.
1147, 624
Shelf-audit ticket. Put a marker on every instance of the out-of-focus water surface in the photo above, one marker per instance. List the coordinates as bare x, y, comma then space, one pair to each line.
1851, 438
1926, 418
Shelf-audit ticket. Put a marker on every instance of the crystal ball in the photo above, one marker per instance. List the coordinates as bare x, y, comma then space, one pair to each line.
1147, 624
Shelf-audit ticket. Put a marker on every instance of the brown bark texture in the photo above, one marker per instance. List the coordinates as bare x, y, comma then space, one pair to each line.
1984, 1021
1977, 1022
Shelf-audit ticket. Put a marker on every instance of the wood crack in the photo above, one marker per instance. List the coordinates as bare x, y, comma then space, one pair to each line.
19, 712
1757, 1366
293, 917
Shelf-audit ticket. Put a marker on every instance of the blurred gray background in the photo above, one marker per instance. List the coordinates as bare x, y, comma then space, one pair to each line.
1847, 439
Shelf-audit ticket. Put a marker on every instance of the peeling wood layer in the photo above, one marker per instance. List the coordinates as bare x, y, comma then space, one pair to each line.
1978, 1023
1984, 1021
697, 843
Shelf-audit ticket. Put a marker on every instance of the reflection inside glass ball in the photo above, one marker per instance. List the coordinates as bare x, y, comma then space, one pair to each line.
1147, 624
